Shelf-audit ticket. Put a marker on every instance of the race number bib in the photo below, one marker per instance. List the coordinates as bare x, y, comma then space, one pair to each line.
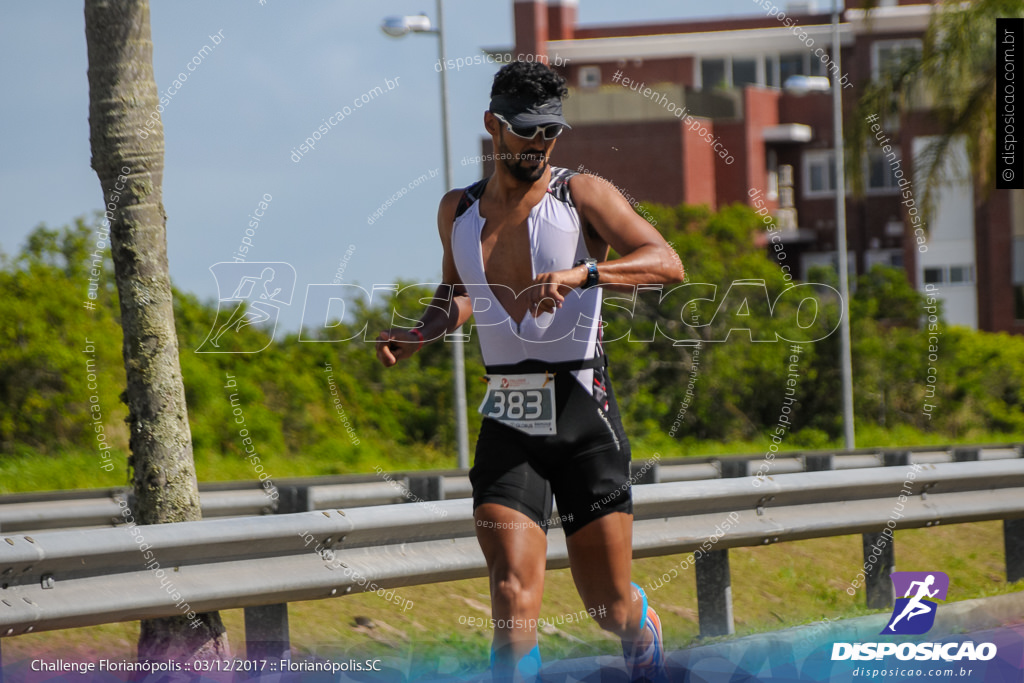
523, 402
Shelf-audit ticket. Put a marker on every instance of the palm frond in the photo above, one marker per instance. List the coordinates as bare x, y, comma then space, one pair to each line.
956, 75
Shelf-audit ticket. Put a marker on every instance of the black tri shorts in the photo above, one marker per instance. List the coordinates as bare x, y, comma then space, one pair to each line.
585, 465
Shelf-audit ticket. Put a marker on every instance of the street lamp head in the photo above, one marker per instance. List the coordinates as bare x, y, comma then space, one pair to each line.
801, 85
396, 27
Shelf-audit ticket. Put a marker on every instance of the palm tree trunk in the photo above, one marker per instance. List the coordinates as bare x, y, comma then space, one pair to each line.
122, 96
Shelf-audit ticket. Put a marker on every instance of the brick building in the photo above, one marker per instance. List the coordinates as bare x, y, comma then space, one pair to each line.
709, 112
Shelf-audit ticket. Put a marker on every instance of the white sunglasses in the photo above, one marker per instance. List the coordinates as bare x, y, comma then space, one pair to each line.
550, 131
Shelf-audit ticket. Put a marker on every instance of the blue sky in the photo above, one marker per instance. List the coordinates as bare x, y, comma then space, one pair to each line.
280, 70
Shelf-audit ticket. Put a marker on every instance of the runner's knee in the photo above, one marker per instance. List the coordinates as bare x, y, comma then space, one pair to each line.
510, 589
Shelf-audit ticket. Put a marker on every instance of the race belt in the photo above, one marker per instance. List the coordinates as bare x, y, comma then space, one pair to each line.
522, 396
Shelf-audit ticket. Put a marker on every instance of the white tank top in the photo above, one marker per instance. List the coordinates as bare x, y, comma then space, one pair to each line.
570, 333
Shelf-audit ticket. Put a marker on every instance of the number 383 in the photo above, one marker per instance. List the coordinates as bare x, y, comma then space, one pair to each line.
517, 405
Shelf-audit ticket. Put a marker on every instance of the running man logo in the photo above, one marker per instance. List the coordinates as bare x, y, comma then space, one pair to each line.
914, 613
258, 290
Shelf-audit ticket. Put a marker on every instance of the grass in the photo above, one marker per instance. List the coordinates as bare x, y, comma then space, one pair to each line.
76, 469
868, 436
773, 587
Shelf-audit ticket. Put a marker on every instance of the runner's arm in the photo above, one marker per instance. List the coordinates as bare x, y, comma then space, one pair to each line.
645, 257
449, 308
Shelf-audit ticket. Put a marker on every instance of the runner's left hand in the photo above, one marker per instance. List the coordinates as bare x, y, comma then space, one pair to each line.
548, 291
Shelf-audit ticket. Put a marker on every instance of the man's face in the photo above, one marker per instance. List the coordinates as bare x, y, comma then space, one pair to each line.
525, 160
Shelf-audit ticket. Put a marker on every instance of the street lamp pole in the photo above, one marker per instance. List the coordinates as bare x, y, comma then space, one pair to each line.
845, 356
397, 27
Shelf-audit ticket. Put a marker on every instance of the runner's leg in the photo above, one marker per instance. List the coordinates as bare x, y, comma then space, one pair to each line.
516, 552
600, 556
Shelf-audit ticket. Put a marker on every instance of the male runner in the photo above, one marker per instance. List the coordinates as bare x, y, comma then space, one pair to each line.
524, 252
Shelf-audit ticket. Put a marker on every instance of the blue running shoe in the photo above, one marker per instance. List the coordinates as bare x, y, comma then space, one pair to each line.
647, 666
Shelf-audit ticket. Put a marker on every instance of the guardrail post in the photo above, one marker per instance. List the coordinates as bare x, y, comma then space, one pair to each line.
714, 581
292, 499
896, 459
430, 487
733, 468
819, 463
877, 586
266, 632
1013, 542
645, 472
714, 594
266, 626
876, 578
966, 454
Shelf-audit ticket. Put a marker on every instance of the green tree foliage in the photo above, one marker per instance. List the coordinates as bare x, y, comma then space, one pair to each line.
45, 330
402, 417
742, 308
741, 383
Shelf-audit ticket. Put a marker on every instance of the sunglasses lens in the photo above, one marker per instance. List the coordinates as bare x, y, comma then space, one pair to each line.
553, 131
527, 133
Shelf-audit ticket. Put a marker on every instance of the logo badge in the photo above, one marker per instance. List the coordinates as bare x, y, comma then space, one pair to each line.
914, 613
257, 293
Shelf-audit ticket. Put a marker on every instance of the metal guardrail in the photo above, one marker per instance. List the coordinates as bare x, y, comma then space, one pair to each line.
30, 512
67, 579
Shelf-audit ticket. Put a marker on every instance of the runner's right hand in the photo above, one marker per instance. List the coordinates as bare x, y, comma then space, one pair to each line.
395, 345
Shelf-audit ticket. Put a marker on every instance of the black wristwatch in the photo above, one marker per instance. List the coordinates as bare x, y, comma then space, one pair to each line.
591, 264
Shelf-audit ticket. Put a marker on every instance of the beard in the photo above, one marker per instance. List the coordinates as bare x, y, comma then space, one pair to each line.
515, 166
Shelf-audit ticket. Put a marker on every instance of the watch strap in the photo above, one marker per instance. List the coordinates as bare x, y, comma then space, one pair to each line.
592, 274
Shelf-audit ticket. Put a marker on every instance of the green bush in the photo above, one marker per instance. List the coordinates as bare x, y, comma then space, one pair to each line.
402, 419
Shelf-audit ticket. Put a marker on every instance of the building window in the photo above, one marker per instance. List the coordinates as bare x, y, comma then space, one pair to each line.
791, 64
590, 76
885, 257
818, 67
880, 177
958, 275
744, 72
961, 275
712, 73
771, 67
770, 70
934, 276
889, 56
819, 174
